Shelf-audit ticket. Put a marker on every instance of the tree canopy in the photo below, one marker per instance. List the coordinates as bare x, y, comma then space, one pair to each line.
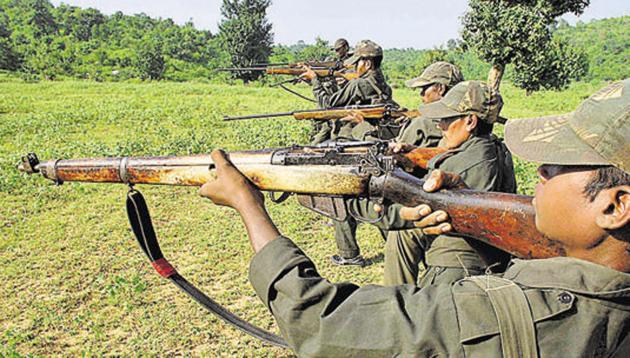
520, 32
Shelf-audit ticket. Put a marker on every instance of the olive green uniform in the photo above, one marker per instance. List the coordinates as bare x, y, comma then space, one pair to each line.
576, 309
421, 132
322, 129
370, 88
485, 164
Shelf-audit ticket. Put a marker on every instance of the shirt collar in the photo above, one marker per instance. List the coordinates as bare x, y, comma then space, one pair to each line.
571, 274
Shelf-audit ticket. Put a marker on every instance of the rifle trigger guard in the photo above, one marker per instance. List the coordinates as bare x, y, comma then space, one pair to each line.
358, 217
278, 200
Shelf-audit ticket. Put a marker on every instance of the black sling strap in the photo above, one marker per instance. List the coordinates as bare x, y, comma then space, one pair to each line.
142, 227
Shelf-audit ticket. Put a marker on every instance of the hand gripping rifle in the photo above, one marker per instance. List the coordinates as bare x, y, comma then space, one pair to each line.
336, 170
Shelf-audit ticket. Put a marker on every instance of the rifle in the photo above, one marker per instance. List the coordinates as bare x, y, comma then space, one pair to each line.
294, 71
330, 171
378, 111
352, 169
327, 64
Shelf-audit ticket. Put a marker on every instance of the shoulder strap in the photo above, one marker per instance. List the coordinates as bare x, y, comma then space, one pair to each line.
384, 97
142, 227
516, 325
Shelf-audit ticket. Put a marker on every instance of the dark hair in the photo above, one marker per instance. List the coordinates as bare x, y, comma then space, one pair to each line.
483, 127
605, 178
377, 61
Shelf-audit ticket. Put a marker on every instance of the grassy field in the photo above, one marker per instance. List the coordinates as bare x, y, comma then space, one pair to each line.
72, 279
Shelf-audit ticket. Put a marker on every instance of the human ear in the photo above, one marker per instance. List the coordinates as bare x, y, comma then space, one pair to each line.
369, 64
441, 89
471, 122
616, 214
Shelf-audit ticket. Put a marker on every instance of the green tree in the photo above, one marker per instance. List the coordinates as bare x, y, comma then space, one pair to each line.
245, 34
8, 58
150, 63
516, 31
554, 68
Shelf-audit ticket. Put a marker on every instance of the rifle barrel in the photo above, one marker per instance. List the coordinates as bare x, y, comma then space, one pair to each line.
256, 116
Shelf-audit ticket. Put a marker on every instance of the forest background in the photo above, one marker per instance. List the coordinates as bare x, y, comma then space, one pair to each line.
41, 41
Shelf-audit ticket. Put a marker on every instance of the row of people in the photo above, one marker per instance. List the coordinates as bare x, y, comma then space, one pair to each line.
474, 153
573, 306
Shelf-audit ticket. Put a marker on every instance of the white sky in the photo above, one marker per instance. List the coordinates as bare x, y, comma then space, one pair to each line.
394, 23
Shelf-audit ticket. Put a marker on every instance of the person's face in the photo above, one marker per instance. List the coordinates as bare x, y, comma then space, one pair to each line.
431, 93
342, 51
455, 130
363, 65
563, 211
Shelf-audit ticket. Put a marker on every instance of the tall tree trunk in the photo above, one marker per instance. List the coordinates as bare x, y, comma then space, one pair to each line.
494, 77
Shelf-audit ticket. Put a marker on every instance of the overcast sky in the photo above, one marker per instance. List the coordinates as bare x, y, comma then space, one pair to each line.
394, 23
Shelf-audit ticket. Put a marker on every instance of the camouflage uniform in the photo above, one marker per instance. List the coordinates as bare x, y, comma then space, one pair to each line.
557, 307
485, 164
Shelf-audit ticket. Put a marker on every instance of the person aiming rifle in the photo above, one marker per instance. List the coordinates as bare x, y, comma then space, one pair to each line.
582, 202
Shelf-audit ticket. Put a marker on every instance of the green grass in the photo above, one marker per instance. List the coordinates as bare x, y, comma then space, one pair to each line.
74, 282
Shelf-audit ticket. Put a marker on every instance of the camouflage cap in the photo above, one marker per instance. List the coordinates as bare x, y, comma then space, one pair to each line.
340, 43
596, 133
469, 97
364, 49
438, 72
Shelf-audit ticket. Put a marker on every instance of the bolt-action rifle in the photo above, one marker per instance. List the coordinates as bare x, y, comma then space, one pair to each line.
352, 169
295, 71
333, 171
328, 64
373, 112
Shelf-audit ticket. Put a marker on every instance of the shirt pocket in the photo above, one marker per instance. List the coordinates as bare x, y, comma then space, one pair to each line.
477, 320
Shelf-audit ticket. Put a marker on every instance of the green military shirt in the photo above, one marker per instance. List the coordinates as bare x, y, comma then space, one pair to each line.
579, 309
421, 132
370, 88
485, 164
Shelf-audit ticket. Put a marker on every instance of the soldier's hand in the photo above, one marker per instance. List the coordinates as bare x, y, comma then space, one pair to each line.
439, 179
308, 74
396, 147
433, 222
353, 117
230, 188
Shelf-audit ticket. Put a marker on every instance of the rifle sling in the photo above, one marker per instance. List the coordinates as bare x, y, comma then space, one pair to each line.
281, 85
142, 226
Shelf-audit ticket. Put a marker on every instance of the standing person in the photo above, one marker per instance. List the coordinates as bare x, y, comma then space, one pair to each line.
368, 88
342, 51
582, 202
434, 82
465, 116
323, 129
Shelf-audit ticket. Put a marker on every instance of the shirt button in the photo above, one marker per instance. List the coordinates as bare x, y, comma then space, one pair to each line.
565, 298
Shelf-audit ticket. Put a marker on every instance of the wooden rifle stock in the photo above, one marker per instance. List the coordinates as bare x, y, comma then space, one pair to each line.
373, 112
505, 221
297, 71
293, 71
